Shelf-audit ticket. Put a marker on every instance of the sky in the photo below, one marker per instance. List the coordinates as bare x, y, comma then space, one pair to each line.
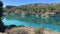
23, 2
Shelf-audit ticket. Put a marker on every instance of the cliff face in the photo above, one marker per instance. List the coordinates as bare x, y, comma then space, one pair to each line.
37, 8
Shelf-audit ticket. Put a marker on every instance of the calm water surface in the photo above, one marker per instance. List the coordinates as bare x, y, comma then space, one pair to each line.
36, 25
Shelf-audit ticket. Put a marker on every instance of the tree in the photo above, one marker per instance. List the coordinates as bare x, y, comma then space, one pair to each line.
1, 14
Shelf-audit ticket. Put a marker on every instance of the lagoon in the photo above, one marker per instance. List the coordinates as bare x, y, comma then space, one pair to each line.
35, 25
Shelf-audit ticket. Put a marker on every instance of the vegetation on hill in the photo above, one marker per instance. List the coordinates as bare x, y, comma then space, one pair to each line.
33, 9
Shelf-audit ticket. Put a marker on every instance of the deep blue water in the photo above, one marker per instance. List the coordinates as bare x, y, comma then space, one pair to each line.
36, 25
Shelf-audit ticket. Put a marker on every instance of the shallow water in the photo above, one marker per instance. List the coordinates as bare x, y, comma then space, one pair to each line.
36, 25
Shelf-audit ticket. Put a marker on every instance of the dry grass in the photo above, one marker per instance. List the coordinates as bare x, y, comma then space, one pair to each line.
29, 30
21, 30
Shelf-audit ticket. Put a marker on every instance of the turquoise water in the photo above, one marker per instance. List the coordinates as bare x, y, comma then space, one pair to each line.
36, 25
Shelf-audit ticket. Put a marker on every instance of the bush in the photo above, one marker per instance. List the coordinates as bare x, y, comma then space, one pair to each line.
17, 30
39, 31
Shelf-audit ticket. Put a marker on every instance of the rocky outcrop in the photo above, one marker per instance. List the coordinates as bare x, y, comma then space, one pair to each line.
30, 30
21, 30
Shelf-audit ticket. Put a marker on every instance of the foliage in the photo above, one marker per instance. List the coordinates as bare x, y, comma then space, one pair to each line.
1, 14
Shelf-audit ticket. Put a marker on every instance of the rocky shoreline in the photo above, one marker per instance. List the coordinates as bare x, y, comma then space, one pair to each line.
28, 30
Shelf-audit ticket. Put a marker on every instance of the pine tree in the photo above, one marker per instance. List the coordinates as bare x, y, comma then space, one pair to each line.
1, 14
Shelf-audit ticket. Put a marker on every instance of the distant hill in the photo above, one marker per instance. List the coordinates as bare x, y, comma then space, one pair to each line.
38, 8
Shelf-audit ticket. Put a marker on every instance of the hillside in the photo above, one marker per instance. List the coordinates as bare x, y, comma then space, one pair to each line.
37, 8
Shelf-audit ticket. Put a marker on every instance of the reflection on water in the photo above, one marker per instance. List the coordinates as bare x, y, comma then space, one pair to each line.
53, 22
53, 19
